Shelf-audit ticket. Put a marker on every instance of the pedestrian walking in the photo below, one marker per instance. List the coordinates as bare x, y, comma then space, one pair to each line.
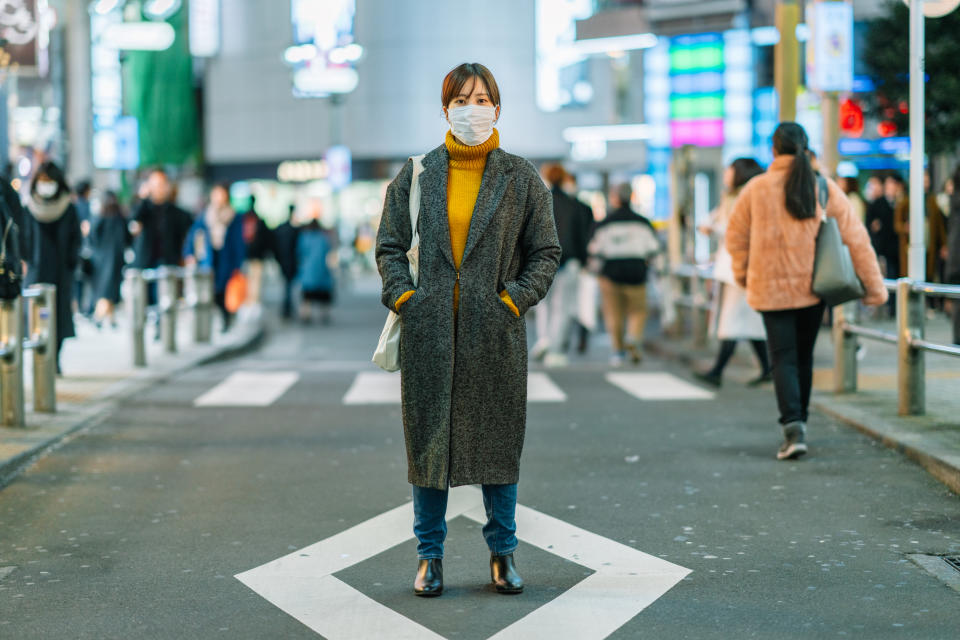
953, 251
285, 253
215, 241
851, 187
52, 244
555, 317
158, 225
883, 233
12, 241
256, 237
83, 282
777, 273
488, 252
734, 319
623, 243
935, 232
315, 254
109, 239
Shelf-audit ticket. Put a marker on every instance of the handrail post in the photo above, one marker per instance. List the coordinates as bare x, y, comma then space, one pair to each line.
911, 392
43, 334
844, 351
202, 299
137, 292
11, 364
167, 297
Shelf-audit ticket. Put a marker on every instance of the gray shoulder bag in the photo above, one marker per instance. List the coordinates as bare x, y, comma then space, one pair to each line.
835, 280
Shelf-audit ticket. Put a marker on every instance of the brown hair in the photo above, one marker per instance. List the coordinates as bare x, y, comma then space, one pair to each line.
554, 173
458, 77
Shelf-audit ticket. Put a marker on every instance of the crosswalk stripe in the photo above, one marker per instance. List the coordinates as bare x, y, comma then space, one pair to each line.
249, 389
384, 388
658, 386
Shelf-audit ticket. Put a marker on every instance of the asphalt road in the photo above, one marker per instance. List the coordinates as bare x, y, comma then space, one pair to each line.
137, 527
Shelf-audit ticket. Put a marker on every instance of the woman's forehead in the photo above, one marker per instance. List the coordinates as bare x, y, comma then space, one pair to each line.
473, 86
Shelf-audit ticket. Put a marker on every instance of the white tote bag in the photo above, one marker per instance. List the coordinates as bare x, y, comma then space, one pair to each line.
387, 355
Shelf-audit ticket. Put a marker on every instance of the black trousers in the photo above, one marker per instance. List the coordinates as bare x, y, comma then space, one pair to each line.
791, 336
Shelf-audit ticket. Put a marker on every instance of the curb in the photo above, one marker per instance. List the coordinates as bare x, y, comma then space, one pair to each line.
889, 432
916, 447
63, 426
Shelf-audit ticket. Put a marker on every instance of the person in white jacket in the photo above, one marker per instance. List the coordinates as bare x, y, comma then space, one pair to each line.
733, 319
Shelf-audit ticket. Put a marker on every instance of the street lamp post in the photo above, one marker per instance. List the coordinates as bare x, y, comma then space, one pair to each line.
916, 258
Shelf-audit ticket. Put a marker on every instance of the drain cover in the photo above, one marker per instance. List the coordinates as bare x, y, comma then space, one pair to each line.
944, 568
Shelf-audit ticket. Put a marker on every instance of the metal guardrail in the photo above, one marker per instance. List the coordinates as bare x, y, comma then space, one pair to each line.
909, 337
198, 294
40, 340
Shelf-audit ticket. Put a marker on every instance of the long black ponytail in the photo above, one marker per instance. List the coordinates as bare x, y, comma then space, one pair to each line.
791, 139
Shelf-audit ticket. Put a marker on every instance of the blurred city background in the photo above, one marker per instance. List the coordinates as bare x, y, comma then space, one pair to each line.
217, 171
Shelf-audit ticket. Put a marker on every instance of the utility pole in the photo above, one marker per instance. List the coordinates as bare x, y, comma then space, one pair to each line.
917, 255
786, 55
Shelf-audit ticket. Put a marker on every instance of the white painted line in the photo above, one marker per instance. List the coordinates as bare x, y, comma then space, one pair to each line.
626, 580
658, 386
334, 609
540, 388
384, 388
374, 388
249, 389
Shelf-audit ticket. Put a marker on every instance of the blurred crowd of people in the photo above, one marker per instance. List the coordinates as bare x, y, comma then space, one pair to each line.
81, 240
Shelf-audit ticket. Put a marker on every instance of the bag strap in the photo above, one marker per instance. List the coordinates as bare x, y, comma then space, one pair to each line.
415, 194
823, 194
3, 243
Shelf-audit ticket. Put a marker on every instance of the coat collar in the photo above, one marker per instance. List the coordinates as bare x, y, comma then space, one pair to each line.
433, 180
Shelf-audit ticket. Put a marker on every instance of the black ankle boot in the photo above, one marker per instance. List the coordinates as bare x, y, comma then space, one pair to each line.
503, 574
429, 581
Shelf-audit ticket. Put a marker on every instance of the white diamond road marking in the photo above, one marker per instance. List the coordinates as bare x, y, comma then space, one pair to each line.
384, 388
658, 386
249, 389
626, 581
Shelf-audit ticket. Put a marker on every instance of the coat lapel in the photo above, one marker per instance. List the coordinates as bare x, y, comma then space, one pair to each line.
492, 187
433, 198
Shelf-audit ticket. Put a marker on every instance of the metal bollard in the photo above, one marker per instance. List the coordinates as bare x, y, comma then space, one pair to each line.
137, 295
167, 302
42, 341
11, 363
201, 297
911, 392
844, 350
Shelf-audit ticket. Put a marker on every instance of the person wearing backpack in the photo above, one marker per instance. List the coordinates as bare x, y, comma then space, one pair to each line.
772, 238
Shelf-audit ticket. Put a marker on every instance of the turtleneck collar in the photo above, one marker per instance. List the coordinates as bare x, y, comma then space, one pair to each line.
464, 157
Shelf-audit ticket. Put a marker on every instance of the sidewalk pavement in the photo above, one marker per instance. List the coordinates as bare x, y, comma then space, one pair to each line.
98, 372
931, 440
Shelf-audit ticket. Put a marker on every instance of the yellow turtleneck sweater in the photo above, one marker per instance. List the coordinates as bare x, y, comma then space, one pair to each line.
463, 185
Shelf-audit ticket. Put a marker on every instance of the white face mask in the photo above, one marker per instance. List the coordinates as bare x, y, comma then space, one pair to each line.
472, 124
47, 188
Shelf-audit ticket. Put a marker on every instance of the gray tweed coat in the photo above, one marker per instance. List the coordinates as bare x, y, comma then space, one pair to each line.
464, 379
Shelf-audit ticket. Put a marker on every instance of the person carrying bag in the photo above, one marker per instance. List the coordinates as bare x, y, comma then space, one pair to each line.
786, 248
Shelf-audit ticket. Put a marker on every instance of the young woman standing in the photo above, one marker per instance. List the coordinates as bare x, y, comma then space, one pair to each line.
772, 240
488, 252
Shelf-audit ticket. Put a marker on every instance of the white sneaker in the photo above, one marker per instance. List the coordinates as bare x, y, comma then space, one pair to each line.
555, 360
618, 359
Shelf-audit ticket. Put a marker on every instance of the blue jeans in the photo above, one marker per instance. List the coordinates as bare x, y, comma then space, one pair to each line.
430, 519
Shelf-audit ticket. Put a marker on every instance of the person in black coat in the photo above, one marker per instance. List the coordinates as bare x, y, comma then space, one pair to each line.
285, 253
158, 225
109, 238
256, 237
883, 234
52, 240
